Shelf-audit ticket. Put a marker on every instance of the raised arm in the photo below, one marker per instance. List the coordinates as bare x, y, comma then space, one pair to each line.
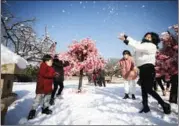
137, 45
145, 47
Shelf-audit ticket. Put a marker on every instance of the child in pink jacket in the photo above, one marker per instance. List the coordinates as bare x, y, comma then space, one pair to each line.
129, 73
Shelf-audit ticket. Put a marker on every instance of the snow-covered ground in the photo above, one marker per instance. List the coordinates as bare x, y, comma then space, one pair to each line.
95, 106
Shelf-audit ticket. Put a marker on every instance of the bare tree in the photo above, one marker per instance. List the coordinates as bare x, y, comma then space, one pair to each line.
21, 38
112, 68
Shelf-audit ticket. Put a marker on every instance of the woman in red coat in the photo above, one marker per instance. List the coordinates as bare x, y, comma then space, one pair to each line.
45, 78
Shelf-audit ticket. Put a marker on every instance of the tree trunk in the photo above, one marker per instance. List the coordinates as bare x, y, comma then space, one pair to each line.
111, 77
80, 80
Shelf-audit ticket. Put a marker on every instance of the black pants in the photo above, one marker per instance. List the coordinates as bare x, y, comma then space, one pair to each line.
166, 82
174, 89
56, 84
159, 82
101, 82
147, 76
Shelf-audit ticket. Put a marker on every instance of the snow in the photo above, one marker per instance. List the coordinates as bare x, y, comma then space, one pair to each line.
8, 57
22, 25
96, 106
163, 33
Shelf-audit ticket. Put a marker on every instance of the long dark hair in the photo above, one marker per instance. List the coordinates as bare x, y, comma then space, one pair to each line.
155, 38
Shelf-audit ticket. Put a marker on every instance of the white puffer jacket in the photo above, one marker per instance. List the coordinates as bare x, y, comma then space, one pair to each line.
144, 52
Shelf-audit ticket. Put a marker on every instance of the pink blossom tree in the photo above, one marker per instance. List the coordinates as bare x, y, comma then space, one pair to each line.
83, 57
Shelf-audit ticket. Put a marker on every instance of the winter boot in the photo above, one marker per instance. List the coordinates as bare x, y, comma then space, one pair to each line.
51, 101
166, 108
46, 111
133, 97
126, 96
31, 114
145, 109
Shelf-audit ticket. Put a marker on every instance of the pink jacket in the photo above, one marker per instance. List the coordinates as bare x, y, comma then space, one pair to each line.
127, 69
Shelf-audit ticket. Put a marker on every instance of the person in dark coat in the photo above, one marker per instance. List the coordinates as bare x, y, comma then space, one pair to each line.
58, 66
44, 86
174, 89
101, 78
95, 77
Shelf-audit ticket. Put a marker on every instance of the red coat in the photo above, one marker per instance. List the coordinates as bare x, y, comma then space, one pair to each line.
94, 77
45, 78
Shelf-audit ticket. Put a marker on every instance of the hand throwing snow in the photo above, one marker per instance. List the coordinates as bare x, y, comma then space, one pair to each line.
122, 36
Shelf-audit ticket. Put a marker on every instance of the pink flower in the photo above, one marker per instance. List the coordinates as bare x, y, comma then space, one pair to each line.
167, 57
87, 49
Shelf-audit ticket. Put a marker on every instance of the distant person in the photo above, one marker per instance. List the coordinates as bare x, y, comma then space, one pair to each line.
145, 61
101, 78
129, 74
94, 76
90, 80
58, 66
45, 78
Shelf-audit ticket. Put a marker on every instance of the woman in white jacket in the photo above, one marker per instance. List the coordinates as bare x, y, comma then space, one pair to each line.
145, 52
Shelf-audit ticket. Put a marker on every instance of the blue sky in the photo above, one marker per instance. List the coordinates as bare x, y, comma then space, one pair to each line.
99, 20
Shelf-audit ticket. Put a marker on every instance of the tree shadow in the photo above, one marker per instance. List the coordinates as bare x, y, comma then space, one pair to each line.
18, 110
21, 93
70, 86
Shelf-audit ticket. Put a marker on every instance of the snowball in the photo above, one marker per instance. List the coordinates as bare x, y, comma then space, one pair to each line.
6, 18
163, 33
22, 25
